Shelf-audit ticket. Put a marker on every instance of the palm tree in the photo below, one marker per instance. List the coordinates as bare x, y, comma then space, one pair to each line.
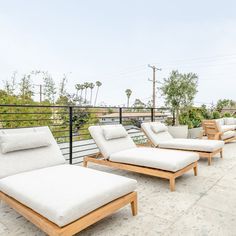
91, 86
86, 86
128, 94
98, 84
78, 88
81, 93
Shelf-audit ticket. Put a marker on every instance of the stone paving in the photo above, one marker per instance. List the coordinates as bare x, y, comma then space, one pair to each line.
202, 205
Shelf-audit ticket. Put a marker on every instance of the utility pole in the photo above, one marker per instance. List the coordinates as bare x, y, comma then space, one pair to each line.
40, 92
154, 69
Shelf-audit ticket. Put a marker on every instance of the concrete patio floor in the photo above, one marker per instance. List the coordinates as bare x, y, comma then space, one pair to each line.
202, 205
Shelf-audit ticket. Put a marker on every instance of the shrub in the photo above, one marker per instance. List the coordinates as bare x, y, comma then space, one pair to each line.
216, 115
227, 114
192, 117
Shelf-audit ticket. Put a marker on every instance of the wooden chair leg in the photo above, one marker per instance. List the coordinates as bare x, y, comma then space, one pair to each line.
209, 160
85, 163
195, 169
172, 184
134, 206
221, 154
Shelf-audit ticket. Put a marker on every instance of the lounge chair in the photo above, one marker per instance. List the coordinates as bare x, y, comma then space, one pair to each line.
214, 130
58, 198
158, 135
118, 150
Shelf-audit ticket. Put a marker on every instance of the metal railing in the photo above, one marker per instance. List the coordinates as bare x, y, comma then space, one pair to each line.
69, 124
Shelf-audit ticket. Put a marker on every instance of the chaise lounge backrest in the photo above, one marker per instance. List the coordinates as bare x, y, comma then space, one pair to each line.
225, 124
14, 162
107, 147
159, 135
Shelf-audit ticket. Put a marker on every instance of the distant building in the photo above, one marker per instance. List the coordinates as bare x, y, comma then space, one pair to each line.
230, 110
138, 116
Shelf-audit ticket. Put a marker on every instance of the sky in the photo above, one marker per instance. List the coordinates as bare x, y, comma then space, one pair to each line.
113, 41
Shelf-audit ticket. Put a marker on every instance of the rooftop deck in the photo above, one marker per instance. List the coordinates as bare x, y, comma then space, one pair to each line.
202, 205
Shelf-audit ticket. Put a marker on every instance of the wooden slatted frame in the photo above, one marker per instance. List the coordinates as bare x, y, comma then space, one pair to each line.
171, 176
207, 155
212, 131
54, 230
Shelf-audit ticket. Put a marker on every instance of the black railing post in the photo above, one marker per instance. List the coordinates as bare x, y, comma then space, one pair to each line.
120, 115
71, 133
152, 114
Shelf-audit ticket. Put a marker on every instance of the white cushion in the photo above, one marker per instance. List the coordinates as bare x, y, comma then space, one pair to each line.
163, 159
107, 147
114, 132
155, 138
219, 125
193, 144
25, 160
230, 121
228, 134
65, 193
16, 142
220, 121
225, 128
158, 127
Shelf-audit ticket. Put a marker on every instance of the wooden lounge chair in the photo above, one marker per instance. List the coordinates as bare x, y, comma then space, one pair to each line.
158, 135
118, 150
214, 131
58, 198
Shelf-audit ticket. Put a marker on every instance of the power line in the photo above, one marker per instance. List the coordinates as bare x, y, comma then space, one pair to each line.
200, 58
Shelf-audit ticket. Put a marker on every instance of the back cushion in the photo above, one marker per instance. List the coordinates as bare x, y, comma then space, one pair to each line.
154, 137
230, 121
114, 132
108, 147
158, 127
220, 121
16, 142
25, 160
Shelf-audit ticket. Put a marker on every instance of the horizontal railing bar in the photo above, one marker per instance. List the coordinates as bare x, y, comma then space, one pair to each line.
84, 145
81, 151
50, 125
77, 157
23, 127
74, 106
79, 162
60, 131
52, 119
32, 113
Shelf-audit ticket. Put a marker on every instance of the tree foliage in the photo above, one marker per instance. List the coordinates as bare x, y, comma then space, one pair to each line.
55, 117
26, 88
224, 103
128, 93
139, 104
179, 91
49, 87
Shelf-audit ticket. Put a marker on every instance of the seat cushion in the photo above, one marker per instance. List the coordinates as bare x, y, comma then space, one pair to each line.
162, 159
65, 193
228, 134
193, 144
